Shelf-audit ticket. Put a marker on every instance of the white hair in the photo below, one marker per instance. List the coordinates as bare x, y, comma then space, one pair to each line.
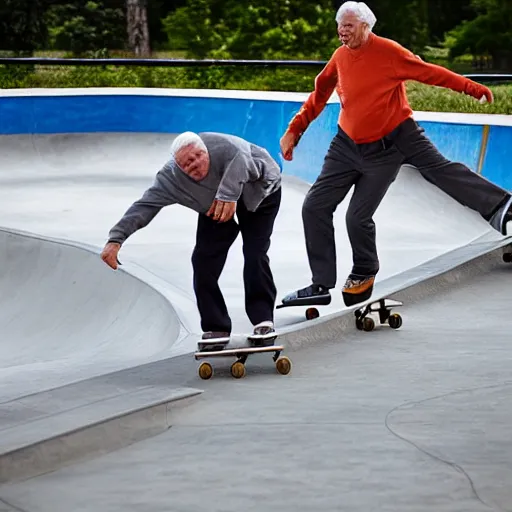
186, 139
360, 9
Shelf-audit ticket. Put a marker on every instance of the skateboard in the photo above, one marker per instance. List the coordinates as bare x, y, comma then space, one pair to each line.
383, 307
205, 371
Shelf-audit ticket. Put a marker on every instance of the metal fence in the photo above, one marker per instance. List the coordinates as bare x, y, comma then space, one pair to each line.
49, 61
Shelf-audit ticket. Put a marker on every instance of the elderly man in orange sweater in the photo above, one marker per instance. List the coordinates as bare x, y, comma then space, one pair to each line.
376, 135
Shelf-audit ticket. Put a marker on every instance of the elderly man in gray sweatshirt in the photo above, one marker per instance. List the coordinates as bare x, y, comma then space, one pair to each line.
217, 175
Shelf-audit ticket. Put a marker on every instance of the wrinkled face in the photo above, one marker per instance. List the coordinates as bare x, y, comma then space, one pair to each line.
194, 161
351, 31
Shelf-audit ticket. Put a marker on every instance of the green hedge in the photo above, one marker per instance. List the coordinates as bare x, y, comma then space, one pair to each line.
421, 97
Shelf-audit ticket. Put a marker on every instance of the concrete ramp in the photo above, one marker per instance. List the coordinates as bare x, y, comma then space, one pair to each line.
64, 317
92, 360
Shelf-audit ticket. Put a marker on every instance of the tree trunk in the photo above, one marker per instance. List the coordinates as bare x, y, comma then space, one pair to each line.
137, 27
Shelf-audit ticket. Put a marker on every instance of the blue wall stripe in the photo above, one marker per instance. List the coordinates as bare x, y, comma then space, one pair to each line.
261, 121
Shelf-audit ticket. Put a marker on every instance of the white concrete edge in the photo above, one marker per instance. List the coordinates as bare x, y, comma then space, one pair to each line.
395, 287
74, 441
293, 97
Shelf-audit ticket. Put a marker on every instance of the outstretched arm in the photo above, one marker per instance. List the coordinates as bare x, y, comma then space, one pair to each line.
410, 67
325, 82
142, 211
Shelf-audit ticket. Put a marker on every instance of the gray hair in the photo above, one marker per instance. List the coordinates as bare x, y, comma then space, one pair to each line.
360, 9
186, 139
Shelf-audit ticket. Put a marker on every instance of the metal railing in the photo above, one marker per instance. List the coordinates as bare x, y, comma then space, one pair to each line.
52, 61
55, 61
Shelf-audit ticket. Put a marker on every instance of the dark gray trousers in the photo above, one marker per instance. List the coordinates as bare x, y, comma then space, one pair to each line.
371, 169
213, 241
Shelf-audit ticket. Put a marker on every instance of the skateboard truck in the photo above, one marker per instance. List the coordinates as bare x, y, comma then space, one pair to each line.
383, 307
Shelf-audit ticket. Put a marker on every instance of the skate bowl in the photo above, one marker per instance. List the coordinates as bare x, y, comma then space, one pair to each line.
76, 334
73, 160
65, 318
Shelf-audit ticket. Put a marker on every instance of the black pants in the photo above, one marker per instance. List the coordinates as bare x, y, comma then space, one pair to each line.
455, 179
371, 169
213, 241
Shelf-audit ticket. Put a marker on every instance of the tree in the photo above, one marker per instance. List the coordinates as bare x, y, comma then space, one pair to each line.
137, 27
232, 28
22, 29
405, 21
444, 16
191, 28
82, 28
489, 33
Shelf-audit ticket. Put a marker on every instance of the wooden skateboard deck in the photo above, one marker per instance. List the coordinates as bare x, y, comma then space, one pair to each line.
283, 364
363, 321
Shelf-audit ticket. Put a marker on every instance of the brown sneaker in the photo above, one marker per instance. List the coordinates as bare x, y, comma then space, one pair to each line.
357, 289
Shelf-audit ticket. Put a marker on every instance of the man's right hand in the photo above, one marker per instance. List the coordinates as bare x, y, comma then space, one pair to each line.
287, 143
109, 254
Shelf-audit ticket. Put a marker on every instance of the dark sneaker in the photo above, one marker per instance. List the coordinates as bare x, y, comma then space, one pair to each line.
502, 216
214, 340
314, 294
357, 289
216, 336
264, 334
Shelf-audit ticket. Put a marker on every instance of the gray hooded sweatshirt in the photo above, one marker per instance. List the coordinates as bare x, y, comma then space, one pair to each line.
238, 170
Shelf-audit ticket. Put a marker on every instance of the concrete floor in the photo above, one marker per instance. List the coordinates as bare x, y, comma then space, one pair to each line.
415, 419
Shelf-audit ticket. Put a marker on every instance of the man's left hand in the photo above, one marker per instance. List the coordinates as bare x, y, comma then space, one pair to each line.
222, 210
479, 91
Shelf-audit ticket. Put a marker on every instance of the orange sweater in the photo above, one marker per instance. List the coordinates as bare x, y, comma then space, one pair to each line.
370, 84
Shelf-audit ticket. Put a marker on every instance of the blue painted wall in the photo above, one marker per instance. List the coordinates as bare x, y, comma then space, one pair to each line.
260, 121
458, 142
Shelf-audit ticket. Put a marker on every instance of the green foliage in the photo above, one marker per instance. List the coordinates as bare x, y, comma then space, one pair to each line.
405, 21
22, 29
292, 29
443, 16
489, 33
86, 27
421, 97
436, 99
191, 28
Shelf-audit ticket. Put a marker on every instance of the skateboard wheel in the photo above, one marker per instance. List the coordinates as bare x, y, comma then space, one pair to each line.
238, 370
205, 371
368, 324
283, 365
507, 257
312, 313
395, 321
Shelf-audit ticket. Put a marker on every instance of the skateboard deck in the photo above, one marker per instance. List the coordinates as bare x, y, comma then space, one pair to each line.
364, 322
384, 307
238, 370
